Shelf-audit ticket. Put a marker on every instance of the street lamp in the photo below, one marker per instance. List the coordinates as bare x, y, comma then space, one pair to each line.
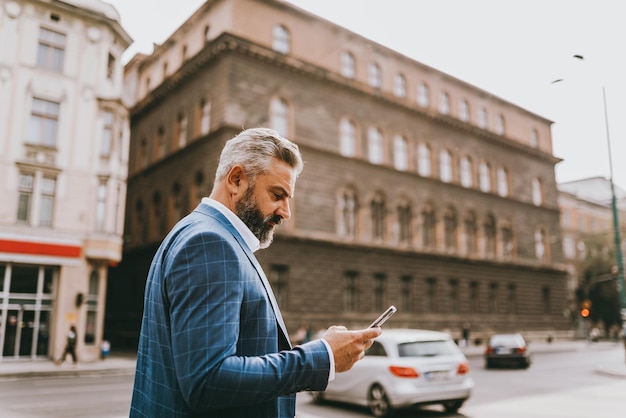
616, 231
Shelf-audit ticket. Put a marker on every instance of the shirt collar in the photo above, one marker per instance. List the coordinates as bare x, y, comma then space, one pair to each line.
252, 241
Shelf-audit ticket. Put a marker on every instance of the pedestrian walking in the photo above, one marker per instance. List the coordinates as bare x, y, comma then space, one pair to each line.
70, 347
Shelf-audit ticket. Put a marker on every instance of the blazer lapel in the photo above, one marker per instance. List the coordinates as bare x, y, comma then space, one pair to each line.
208, 210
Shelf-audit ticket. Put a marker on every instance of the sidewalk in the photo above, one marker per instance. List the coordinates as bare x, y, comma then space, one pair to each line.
114, 364
124, 363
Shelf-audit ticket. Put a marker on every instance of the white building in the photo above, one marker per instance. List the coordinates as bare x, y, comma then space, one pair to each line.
63, 167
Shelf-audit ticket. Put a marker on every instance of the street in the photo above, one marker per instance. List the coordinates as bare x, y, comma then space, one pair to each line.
557, 385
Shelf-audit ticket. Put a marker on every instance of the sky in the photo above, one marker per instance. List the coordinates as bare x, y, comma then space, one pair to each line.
514, 49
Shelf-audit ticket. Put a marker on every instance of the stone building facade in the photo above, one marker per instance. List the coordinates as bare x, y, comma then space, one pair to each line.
419, 189
63, 163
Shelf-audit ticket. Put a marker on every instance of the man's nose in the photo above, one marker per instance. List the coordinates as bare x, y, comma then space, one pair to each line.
283, 210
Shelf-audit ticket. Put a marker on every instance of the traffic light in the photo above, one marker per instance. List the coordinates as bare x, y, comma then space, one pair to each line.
585, 308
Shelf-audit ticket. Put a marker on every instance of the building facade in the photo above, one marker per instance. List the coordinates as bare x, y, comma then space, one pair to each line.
419, 189
587, 226
63, 165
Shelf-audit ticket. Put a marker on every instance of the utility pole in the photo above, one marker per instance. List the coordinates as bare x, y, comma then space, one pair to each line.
616, 232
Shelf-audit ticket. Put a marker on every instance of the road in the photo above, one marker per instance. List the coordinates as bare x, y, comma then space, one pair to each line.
557, 385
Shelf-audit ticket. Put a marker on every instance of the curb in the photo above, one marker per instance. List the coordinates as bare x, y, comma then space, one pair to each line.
68, 373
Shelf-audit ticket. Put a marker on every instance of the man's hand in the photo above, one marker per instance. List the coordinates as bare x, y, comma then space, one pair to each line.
349, 346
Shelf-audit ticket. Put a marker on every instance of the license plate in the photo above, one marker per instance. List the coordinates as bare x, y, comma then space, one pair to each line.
437, 376
503, 351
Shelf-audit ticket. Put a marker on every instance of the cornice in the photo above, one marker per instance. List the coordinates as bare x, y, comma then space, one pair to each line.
228, 43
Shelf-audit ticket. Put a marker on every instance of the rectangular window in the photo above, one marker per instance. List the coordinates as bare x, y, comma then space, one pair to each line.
351, 291
25, 198
379, 291
546, 299
493, 298
110, 66
454, 296
101, 206
48, 186
474, 301
51, 50
407, 294
107, 134
430, 303
44, 121
511, 305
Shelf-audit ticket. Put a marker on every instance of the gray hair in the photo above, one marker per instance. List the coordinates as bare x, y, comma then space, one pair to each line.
254, 149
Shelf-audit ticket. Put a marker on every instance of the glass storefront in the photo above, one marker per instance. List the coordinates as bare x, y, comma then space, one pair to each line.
27, 295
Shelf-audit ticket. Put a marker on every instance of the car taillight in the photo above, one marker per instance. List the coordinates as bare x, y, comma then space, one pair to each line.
489, 350
463, 368
403, 371
520, 350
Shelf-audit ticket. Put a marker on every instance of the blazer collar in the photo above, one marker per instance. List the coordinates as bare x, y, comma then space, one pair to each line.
217, 214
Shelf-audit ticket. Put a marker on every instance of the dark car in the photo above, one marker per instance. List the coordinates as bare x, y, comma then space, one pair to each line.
507, 350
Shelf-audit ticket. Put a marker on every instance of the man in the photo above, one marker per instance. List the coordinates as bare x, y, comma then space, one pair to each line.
213, 342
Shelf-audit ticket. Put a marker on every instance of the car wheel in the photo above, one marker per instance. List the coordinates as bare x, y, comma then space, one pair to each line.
378, 403
318, 397
452, 406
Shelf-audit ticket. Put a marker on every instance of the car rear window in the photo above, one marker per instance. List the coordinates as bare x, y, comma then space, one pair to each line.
505, 340
426, 348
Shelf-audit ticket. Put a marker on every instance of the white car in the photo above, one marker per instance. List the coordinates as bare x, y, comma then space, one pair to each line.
405, 368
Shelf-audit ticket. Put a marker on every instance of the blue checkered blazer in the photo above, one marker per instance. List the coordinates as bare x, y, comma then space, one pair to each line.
213, 342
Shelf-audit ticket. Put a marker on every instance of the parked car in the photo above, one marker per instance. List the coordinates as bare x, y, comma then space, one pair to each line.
405, 368
507, 349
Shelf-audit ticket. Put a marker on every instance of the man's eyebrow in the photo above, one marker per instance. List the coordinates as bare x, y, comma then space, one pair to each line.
282, 191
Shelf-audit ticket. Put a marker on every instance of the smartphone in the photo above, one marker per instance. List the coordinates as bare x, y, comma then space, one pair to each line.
384, 317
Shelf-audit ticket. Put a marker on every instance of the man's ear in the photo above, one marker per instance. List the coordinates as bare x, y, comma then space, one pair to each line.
236, 180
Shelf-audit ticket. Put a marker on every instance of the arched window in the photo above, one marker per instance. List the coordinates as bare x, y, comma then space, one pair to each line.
489, 229
508, 245
444, 103
537, 191
400, 153
203, 118
423, 95
347, 138
445, 166
482, 118
423, 160
428, 227
375, 76
399, 85
279, 116
534, 138
466, 172
405, 219
450, 229
484, 177
541, 245
500, 125
378, 210
348, 207
348, 65
375, 145
502, 177
471, 233
281, 40
464, 111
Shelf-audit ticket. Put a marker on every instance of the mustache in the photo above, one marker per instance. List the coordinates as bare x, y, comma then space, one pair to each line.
275, 219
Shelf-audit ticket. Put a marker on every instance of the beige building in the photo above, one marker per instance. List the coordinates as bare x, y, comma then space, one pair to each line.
63, 166
587, 219
419, 189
